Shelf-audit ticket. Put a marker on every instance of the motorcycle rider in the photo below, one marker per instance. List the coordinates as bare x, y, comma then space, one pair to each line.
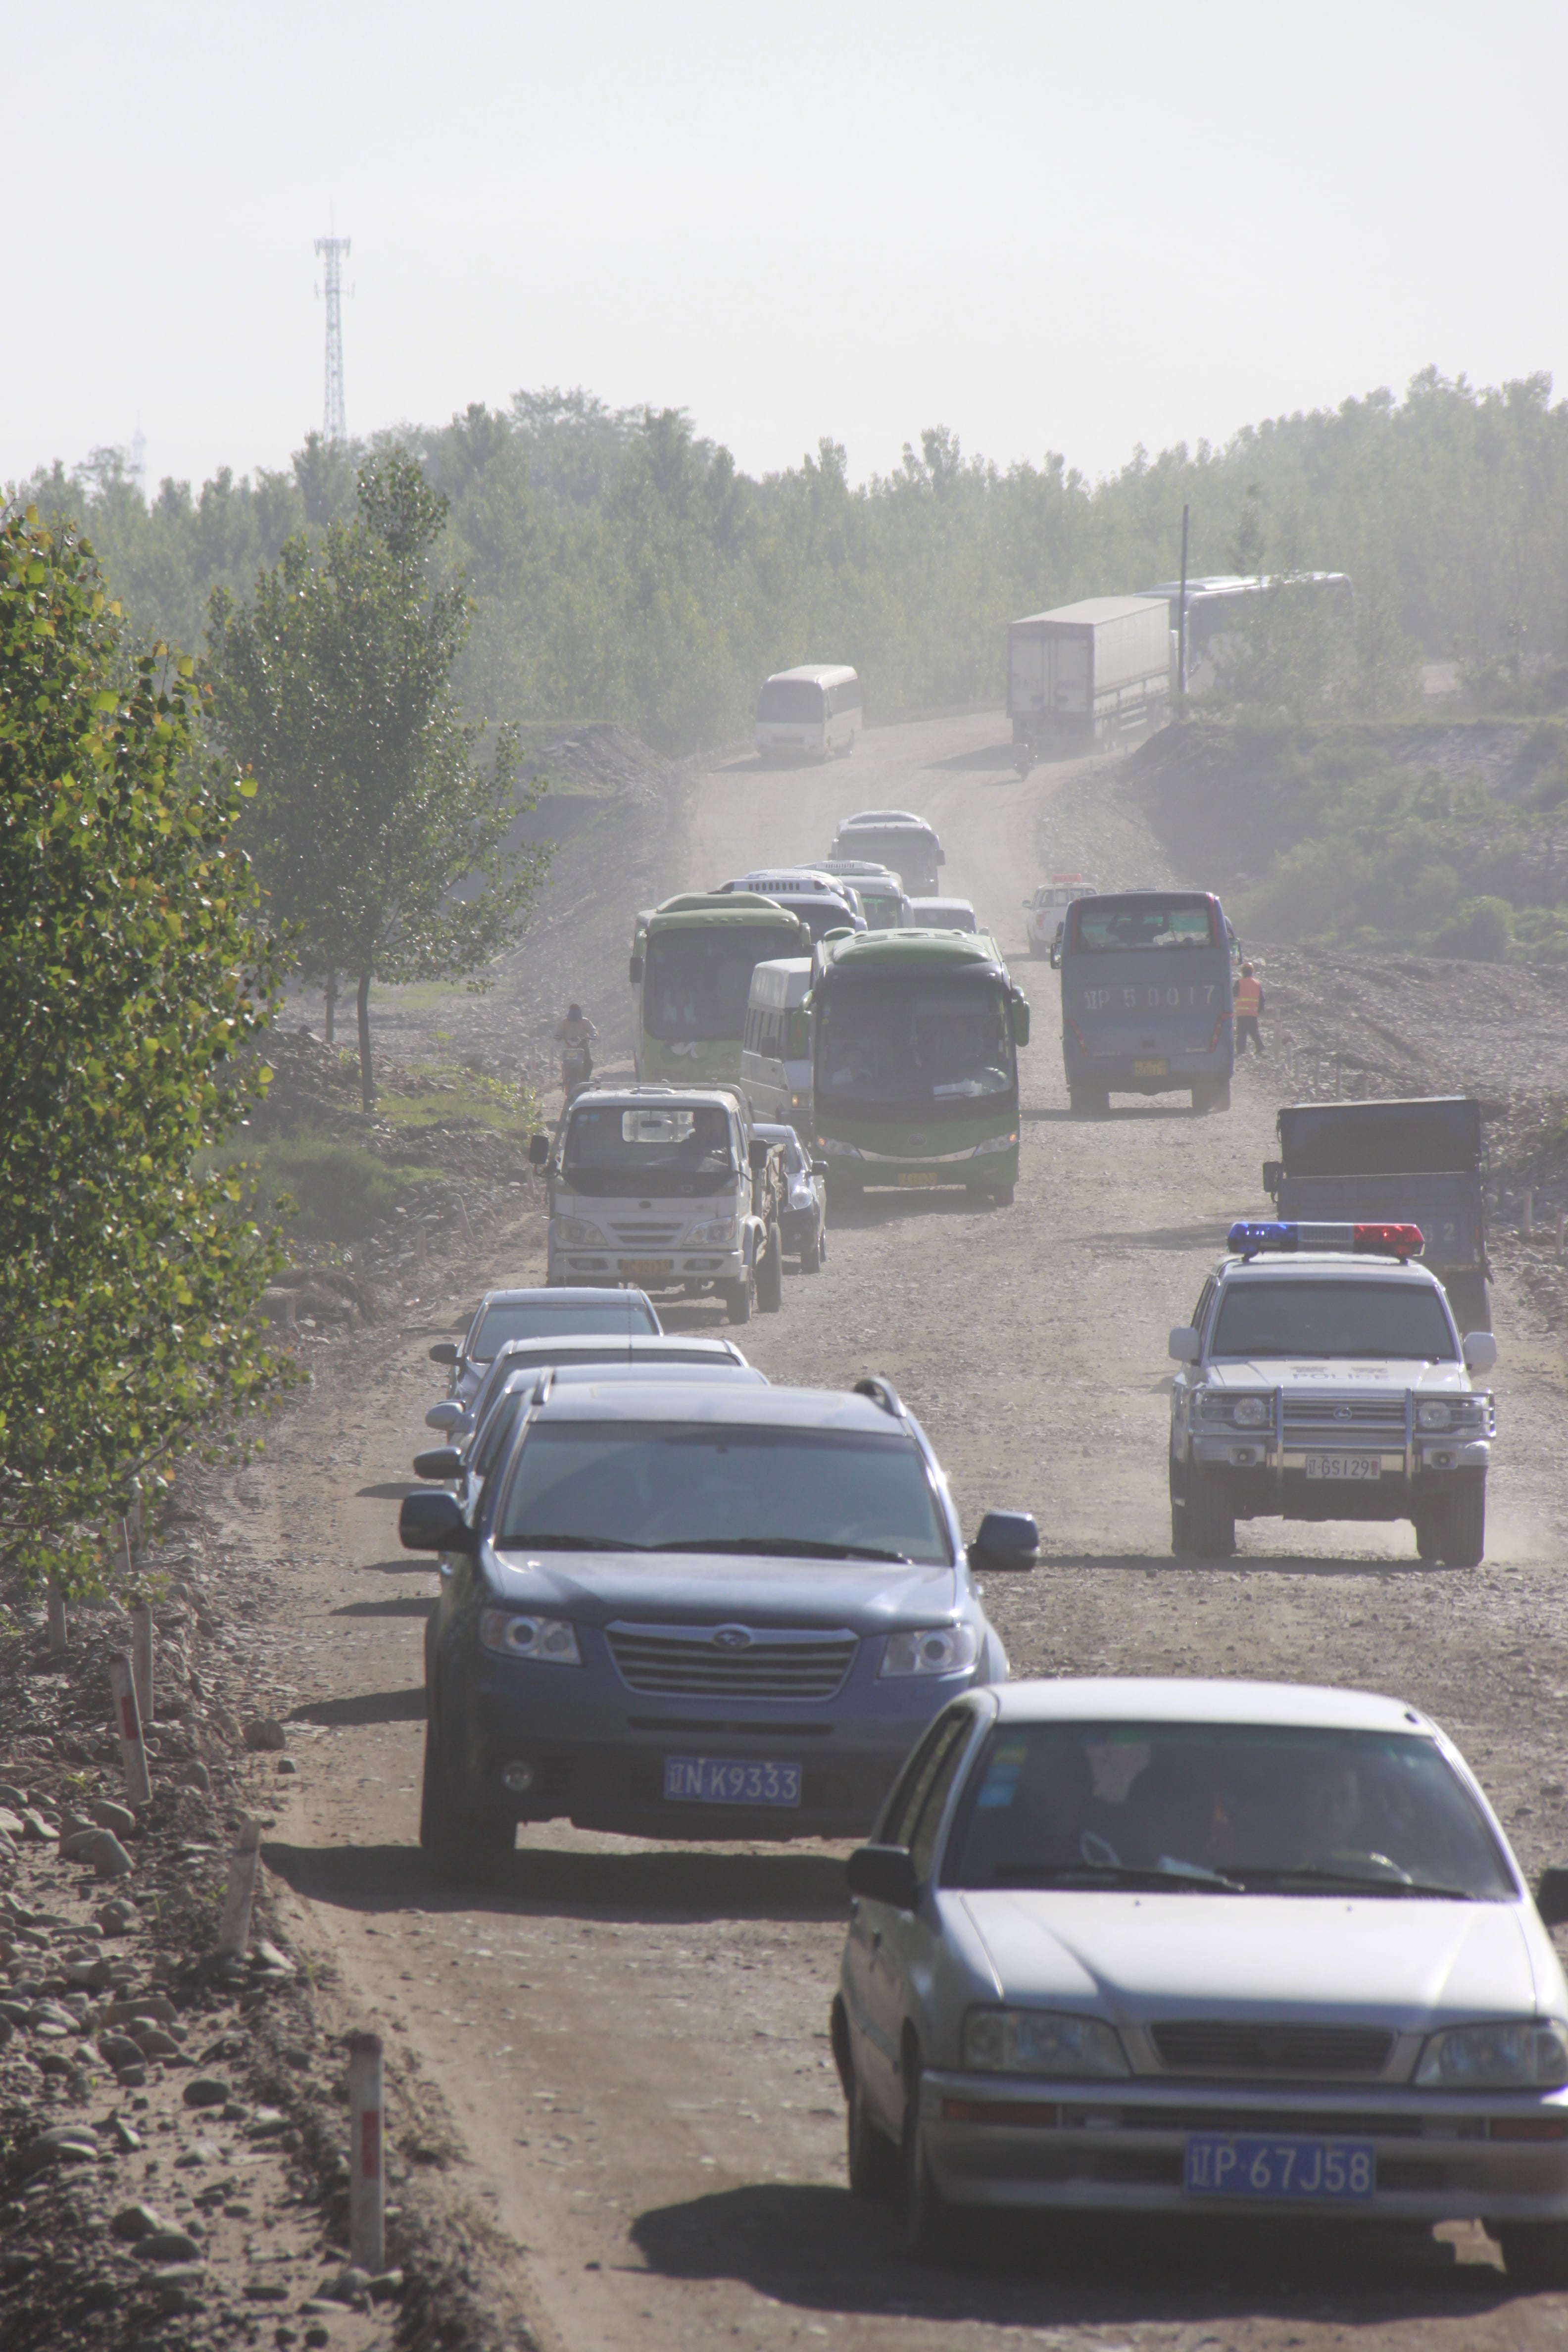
576, 1034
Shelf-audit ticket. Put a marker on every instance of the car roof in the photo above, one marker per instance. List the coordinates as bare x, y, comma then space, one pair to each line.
661, 1369
1364, 1265
606, 1347
1172, 1698
735, 1403
659, 1098
561, 1294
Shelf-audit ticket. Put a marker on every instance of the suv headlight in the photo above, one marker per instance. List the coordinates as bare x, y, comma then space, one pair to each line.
551, 1640
1527, 2056
577, 1232
1040, 2041
930, 1650
1250, 1412
718, 1233
1240, 1411
1437, 1414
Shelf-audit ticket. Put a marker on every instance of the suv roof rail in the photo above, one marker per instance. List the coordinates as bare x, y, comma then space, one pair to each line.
881, 1392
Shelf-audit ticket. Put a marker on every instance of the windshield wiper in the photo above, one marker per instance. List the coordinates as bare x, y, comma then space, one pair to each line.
566, 1543
782, 1547
1354, 1881
1115, 1874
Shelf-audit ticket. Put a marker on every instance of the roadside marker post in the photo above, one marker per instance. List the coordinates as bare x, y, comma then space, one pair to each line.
1527, 1220
128, 1723
142, 1658
56, 1605
243, 1866
367, 2230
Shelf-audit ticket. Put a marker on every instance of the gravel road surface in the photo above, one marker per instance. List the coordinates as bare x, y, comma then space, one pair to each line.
631, 2041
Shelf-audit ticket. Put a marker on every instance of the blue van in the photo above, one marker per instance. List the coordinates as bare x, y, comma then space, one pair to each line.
1146, 999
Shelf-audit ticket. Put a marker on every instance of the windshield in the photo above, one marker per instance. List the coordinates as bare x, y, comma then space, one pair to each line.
545, 1317
696, 983
676, 1487
785, 698
934, 1041
905, 851
1122, 925
1333, 1318
675, 1149
884, 908
1268, 1809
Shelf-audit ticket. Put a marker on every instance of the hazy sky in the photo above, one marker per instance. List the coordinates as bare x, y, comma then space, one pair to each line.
1049, 226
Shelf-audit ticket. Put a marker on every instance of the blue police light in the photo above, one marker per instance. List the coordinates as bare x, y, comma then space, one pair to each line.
1249, 1237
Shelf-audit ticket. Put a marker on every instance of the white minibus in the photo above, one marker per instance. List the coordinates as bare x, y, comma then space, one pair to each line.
775, 1053
809, 713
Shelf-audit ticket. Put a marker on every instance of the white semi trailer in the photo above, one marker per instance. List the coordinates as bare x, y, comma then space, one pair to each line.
1088, 673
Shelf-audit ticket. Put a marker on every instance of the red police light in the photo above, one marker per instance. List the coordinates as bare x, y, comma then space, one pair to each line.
1389, 1241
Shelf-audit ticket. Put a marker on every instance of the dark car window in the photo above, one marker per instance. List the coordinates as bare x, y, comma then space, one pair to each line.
1271, 1808
810, 1494
1333, 1318
545, 1319
902, 1810
922, 1836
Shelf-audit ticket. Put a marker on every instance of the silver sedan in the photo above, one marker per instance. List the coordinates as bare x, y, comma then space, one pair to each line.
1203, 1948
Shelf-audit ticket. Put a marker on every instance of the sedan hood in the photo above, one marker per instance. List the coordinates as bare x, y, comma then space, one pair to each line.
1136, 1958
1392, 1373
712, 1589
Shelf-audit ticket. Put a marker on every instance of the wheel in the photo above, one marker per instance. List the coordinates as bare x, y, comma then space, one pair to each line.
770, 1273
873, 2160
1457, 1528
1210, 1094
1089, 1102
461, 1848
738, 1299
1535, 2252
811, 1256
930, 2233
1211, 1526
1427, 1547
1180, 1534
1003, 1195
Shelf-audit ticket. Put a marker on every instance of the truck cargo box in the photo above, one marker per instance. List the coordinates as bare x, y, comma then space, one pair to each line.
1381, 1138
1086, 671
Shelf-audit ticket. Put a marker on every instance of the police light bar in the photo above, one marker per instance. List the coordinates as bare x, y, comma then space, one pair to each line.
1251, 1238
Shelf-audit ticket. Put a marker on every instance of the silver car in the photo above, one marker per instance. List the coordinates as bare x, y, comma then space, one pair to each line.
550, 1312
1214, 1948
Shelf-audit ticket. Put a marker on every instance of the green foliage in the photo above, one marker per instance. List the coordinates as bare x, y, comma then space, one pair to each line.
131, 973
377, 837
622, 567
323, 1188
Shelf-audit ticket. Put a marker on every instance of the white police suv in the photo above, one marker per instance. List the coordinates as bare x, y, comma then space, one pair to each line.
1323, 1377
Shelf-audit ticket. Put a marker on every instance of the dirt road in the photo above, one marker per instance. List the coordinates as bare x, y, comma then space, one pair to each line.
631, 2041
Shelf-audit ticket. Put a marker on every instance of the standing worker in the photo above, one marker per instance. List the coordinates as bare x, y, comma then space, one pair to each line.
1248, 1005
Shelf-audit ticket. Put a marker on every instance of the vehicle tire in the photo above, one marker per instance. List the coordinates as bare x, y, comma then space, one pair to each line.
770, 1273
1212, 1526
929, 2234
1003, 1195
1458, 1526
738, 1299
873, 2160
1428, 1546
1089, 1102
811, 1257
1535, 2253
1210, 1094
1181, 1523
461, 1848
1471, 1302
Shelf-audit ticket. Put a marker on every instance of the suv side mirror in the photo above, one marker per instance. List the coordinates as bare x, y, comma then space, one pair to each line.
634, 969
439, 1461
1182, 1344
445, 1415
1552, 1895
886, 1875
1005, 1540
431, 1520
819, 1167
538, 1151
757, 1155
1273, 1177
444, 1352
1480, 1351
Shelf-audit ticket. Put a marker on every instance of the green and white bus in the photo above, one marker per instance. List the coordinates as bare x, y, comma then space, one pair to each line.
916, 1069
692, 960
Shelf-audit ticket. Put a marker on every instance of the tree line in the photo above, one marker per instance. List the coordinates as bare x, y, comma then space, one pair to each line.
622, 566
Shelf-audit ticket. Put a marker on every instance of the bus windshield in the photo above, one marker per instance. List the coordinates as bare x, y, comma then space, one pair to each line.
1122, 925
697, 983
934, 1041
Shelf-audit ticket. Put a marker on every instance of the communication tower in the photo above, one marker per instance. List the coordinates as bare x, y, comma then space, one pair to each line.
333, 251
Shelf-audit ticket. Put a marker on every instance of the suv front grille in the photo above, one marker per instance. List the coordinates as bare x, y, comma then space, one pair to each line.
1216, 2046
1347, 1416
699, 1662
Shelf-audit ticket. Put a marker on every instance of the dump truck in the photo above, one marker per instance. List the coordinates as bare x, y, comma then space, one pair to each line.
1088, 673
1417, 1161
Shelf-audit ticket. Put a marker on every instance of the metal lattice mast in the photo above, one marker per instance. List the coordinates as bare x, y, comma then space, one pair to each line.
333, 251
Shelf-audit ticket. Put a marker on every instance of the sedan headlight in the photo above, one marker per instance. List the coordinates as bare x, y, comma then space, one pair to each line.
718, 1233
579, 1233
931, 1650
551, 1640
1527, 2056
1040, 2041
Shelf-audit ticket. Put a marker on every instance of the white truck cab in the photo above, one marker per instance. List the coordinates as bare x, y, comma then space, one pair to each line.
1323, 1377
659, 1186
1046, 909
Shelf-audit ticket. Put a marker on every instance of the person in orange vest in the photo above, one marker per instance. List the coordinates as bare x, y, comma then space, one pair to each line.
1249, 993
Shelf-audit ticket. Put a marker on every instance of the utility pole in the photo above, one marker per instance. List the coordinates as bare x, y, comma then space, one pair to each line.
1181, 619
334, 252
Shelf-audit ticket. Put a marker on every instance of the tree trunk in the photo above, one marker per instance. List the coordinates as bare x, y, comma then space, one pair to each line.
366, 1070
332, 1007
